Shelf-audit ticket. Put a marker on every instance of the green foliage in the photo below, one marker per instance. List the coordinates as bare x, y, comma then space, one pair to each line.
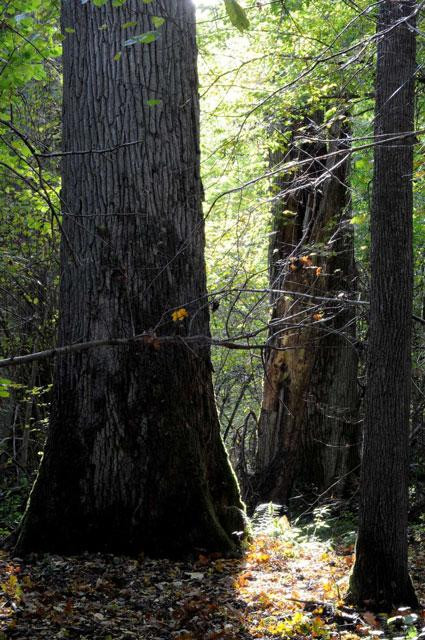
30, 86
12, 504
265, 517
28, 40
267, 520
273, 75
236, 14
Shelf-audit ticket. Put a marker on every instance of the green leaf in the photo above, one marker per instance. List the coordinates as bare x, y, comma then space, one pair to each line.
118, 55
118, 3
131, 23
4, 384
69, 30
21, 16
143, 38
410, 619
157, 21
237, 15
359, 219
99, 3
153, 102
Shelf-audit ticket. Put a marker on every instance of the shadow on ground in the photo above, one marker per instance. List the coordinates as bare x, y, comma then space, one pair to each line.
288, 585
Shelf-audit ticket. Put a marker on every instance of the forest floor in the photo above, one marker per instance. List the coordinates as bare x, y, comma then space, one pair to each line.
290, 586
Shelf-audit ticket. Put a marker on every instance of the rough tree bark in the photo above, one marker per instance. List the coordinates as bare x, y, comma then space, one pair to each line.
331, 434
380, 575
134, 459
306, 427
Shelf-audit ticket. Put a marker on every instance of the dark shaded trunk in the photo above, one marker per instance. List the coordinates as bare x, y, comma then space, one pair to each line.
134, 459
306, 427
380, 576
331, 434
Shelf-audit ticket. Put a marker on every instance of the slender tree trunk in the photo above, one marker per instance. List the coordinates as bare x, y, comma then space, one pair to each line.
306, 427
134, 459
380, 576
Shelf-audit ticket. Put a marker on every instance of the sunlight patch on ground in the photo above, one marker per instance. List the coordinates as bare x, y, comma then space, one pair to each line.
291, 586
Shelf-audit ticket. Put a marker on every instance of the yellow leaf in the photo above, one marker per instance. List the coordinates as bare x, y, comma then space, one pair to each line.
180, 314
27, 582
306, 261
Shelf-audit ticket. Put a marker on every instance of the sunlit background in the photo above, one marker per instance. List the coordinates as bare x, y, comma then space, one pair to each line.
207, 3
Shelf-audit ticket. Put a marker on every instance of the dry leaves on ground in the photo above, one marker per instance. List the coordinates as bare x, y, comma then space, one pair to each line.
283, 588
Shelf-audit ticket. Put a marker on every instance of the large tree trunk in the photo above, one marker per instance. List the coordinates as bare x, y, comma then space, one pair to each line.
380, 576
331, 434
306, 428
134, 459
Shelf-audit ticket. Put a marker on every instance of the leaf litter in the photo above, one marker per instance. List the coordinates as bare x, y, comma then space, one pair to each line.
283, 587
